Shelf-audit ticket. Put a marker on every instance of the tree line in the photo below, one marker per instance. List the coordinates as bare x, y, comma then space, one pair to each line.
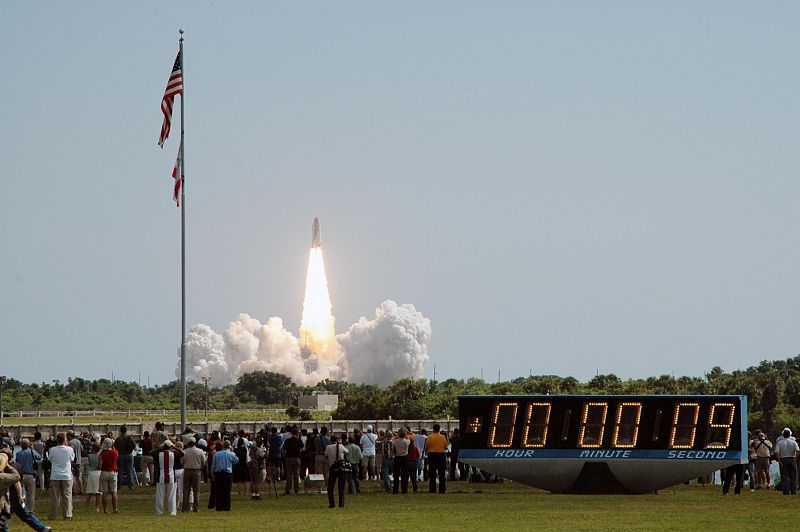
772, 388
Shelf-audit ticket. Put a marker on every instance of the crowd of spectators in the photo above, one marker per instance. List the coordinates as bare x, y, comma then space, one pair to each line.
179, 465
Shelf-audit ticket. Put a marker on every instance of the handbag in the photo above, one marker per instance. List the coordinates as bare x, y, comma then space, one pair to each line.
36, 465
341, 465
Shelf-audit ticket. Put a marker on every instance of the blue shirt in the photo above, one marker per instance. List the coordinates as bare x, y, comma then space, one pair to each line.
25, 458
224, 461
275, 445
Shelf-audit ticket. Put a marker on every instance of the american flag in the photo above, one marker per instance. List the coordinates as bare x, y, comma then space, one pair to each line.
177, 175
174, 86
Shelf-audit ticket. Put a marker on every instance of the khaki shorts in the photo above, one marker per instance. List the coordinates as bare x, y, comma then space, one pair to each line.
108, 482
368, 461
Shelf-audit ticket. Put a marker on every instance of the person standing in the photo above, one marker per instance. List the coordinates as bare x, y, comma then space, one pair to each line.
321, 464
214, 446
165, 479
336, 454
255, 464
386, 448
241, 473
17, 506
177, 451
401, 444
455, 447
62, 456
77, 448
27, 458
413, 463
787, 455
736, 470
194, 460
763, 448
109, 471
419, 440
124, 445
292, 448
275, 457
355, 457
368, 441
146, 445
435, 448
92, 486
39, 446
86, 446
221, 473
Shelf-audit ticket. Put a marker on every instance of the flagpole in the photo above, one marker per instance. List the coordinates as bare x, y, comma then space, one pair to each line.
183, 247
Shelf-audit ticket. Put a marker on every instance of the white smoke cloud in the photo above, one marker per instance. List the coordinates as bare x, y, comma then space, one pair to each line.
205, 356
392, 346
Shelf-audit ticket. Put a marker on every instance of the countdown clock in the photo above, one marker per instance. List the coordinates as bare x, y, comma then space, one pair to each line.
603, 443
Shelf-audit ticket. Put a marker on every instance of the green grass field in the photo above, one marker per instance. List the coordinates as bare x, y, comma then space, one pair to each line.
465, 507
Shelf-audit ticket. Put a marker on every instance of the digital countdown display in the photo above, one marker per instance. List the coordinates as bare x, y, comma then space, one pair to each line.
600, 444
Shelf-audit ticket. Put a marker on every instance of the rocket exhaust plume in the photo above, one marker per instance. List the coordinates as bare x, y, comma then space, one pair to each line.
393, 345
317, 334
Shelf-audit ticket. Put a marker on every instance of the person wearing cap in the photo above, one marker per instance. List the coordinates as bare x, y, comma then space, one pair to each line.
194, 460
61, 458
165, 478
107, 463
221, 473
367, 443
763, 450
787, 450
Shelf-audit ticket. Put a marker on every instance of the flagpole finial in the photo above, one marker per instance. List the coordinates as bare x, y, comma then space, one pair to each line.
181, 32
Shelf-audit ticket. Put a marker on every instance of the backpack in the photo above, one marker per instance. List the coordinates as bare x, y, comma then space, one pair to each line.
319, 446
413, 452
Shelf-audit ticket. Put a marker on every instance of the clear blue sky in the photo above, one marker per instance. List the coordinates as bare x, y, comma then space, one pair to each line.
562, 187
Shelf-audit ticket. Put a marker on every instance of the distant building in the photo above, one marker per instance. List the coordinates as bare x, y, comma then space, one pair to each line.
318, 401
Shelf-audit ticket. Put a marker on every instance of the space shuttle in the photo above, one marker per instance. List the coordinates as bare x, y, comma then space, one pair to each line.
316, 234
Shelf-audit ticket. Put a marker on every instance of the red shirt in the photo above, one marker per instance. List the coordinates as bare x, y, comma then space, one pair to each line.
108, 460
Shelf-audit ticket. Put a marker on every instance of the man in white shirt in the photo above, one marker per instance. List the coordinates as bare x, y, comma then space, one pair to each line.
367, 444
787, 450
61, 458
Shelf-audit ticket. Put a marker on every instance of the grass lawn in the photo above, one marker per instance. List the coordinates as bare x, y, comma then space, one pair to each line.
465, 506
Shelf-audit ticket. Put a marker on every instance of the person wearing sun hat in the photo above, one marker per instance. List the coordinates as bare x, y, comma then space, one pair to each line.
165, 460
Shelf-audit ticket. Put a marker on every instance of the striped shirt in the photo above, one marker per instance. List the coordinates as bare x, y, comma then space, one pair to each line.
166, 467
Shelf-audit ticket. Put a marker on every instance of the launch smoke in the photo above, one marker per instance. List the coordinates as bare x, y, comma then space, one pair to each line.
394, 345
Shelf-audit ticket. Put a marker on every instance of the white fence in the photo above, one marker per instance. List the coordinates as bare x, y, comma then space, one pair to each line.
143, 413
